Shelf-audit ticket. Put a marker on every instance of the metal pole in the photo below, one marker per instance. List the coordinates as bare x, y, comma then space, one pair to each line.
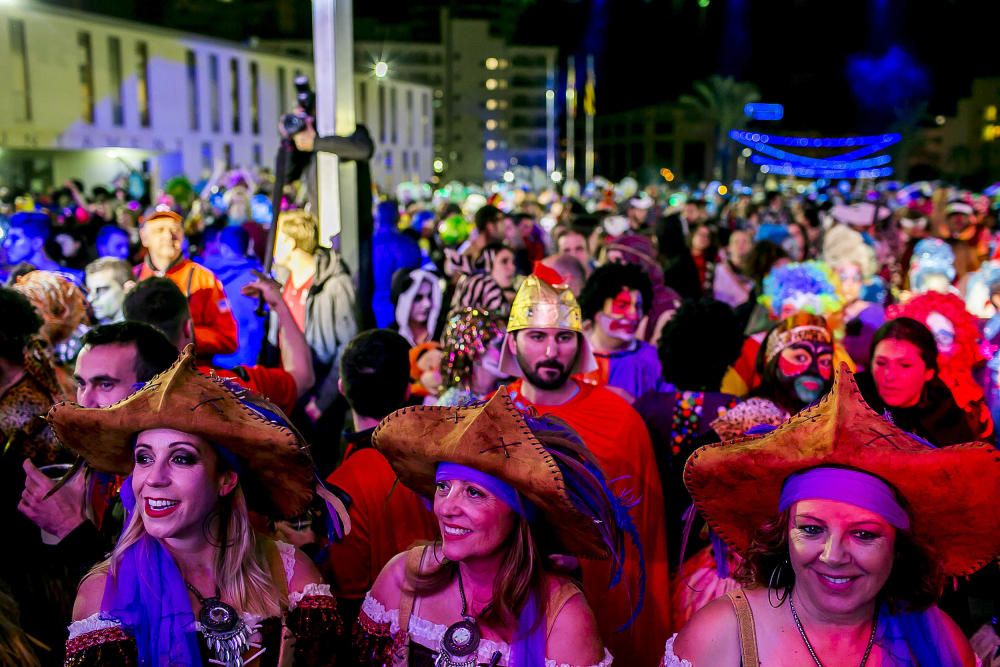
336, 182
570, 119
589, 109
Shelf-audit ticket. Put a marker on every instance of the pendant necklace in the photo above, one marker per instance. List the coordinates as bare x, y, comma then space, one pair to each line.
802, 631
226, 634
460, 643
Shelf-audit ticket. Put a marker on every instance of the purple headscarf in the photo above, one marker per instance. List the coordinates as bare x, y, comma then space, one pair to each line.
148, 597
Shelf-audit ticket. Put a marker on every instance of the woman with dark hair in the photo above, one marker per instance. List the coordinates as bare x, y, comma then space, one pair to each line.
509, 492
902, 384
705, 253
847, 526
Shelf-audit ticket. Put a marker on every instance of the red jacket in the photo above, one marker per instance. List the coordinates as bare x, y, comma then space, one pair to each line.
214, 326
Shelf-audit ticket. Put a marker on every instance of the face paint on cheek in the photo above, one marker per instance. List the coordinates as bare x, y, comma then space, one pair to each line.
792, 366
622, 321
809, 388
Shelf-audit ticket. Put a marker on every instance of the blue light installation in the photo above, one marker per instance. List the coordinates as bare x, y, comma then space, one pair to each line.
773, 160
761, 111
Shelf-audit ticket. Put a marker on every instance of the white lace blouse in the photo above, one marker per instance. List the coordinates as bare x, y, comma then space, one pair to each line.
429, 635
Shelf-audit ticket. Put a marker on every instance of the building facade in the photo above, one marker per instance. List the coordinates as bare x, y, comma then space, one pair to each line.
966, 144
493, 101
90, 96
641, 142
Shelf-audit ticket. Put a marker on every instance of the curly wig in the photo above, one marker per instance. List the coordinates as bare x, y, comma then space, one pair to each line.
607, 281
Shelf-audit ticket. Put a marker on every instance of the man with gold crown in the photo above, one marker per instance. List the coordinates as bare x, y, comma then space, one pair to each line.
544, 347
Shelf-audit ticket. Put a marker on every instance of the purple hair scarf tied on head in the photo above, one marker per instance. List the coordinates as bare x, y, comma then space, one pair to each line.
528, 647
502, 490
847, 486
148, 597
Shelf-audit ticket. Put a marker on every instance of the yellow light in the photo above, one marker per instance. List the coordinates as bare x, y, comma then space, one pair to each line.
439, 165
491, 145
491, 164
492, 63
989, 132
723, 190
491, 84
667, 174
491, 105
991, 113
491, 124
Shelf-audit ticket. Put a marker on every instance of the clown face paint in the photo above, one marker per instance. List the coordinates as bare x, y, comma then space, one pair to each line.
620, 316
944, 332
805, 369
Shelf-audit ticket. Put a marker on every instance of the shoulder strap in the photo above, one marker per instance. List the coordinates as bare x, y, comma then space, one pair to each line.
748, 639
414, 560
556, 604
277, 570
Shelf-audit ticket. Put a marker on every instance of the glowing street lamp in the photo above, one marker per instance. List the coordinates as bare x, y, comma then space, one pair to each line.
381, 69
508, 176
557, 176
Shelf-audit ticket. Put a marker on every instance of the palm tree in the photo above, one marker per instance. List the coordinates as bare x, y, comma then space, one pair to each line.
720, 100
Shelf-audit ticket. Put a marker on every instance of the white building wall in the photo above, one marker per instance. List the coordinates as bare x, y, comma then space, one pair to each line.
171, 145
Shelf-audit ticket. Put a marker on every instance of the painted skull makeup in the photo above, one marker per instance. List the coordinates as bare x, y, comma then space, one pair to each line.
805, 370
944, 332
799, 361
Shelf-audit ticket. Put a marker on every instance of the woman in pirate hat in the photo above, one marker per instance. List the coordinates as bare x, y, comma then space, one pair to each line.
509, 491
847, 526
190, 582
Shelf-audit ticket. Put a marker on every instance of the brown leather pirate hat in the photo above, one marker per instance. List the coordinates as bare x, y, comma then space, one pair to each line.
494, 438
950, 492
183, 399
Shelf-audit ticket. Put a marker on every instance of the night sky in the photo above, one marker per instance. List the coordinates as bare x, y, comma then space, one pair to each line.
798, 51
838, 66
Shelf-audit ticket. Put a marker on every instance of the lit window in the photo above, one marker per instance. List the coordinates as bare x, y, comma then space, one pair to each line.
492, 63
491, 124
491, 84
491, 145
491, 104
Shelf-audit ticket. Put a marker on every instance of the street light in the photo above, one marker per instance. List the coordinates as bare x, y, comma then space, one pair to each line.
508, 176
381, 69
557, 176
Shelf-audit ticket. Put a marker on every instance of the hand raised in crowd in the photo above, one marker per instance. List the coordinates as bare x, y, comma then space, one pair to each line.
59, 514
265, 287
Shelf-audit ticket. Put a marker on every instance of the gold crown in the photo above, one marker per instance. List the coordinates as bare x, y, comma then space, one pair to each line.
539, 305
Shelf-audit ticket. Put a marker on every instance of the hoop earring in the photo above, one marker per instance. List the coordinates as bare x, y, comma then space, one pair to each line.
776, 577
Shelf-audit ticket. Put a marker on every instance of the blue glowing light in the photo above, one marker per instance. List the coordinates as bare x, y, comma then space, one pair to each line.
761, 111
774, 160
889, 81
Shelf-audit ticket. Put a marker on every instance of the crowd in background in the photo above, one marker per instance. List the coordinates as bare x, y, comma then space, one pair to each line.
704, 312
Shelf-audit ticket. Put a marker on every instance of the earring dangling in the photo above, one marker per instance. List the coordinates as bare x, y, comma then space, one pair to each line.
776, 577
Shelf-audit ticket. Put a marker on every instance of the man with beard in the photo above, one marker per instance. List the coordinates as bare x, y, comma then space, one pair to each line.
545, 346
613, 301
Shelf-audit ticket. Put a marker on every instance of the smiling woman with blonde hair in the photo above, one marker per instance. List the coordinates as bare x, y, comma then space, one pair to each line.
190, 582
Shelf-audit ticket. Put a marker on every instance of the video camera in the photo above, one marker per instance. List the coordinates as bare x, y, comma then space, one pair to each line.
305, 100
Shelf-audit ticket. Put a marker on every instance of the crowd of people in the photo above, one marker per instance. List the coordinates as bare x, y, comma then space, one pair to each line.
694, 426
